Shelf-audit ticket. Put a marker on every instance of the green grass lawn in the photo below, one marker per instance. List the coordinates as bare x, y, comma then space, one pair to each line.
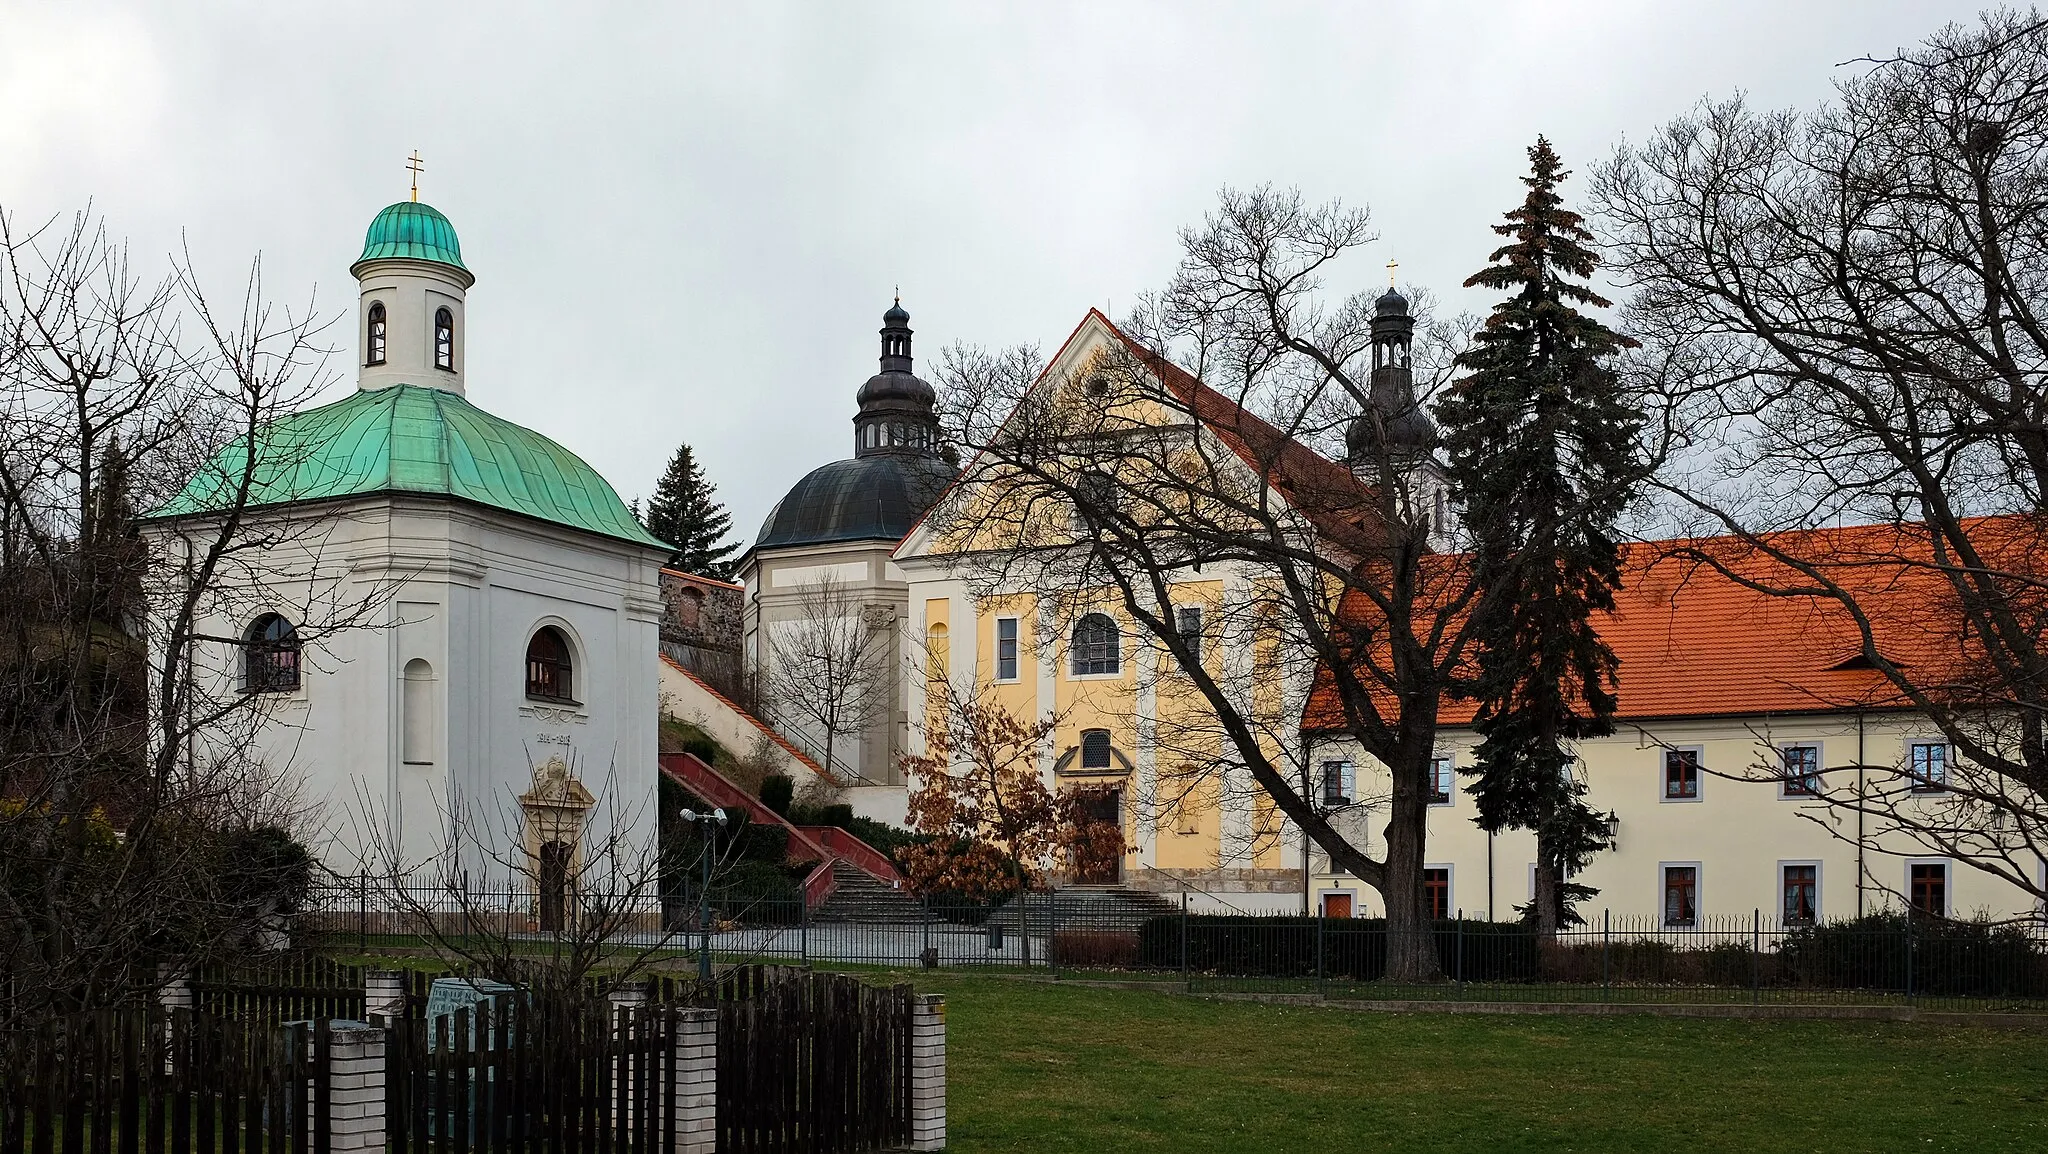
1040, 1067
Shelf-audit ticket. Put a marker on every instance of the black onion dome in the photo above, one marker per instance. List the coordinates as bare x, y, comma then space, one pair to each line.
866, 498
1409, 430
1392, 409
897, 386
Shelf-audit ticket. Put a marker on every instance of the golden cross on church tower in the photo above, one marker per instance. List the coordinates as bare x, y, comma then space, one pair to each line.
417, 166
1391, 266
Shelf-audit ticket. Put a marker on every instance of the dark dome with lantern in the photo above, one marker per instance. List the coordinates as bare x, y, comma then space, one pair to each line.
896, 471
1393, 413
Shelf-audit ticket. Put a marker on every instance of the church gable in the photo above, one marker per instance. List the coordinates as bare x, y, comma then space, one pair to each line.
1100, 386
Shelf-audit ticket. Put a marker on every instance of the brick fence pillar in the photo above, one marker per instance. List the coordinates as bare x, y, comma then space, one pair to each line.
695, 1100
628, 1022
355, 1088
383, 994
928, 1072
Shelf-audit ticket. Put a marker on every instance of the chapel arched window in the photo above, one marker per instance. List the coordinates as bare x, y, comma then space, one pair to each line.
1097, 646
378, 334
550, 675
270, 656
444, 340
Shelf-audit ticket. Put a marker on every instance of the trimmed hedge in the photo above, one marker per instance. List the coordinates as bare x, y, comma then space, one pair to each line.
1928, 955
1353, 949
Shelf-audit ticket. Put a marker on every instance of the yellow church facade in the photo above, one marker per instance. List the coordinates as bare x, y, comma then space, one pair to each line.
1129, 731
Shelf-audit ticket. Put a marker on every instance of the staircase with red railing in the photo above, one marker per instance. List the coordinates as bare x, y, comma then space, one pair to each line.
823, 844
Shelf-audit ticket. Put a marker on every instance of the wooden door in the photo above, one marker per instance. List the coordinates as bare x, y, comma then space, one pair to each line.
1098, 859
554, 886
1336, 905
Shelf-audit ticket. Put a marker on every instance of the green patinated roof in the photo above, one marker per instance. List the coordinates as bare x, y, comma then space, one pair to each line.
409, 439
413, 231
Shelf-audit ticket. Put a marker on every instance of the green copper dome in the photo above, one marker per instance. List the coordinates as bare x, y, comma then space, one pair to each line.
412, 231
409, 439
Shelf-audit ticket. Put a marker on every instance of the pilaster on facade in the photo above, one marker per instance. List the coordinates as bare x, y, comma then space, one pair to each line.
1146, 754
1048, 653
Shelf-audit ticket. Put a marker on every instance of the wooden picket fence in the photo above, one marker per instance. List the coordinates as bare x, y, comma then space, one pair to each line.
166, 1083
285, 990
814, 1062
806, 1062
516, 1076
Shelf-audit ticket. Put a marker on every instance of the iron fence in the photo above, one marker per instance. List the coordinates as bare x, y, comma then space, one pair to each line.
1877, 960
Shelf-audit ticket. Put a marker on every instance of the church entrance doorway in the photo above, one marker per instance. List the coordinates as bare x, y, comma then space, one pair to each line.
554, 886
1098, 858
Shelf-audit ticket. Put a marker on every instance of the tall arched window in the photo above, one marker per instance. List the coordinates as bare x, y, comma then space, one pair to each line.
1097, 646
548, 672
270, 656
377, 334
416, 745
444, 340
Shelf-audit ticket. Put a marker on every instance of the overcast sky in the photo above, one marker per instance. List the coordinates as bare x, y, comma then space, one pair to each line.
686, 220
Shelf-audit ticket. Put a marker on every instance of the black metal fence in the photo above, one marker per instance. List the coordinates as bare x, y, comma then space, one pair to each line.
1883, 960
1877, 960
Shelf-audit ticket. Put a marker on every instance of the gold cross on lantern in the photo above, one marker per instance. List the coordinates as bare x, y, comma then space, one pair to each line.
417, 166
1391, 266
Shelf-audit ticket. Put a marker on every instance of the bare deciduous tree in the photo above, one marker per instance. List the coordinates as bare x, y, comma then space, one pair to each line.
557, 891
1845, 313
139, 832
832, 671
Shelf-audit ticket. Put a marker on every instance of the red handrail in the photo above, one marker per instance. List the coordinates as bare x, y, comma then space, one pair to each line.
819, 843
857, 853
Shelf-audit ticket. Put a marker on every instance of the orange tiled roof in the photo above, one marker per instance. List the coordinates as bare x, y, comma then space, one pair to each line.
1698, 637
1321, 489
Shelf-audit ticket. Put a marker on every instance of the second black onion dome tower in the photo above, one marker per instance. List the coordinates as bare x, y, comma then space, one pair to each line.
1395, 422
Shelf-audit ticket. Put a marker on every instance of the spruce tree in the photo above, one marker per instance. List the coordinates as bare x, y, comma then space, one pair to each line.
1541, 448
682, 513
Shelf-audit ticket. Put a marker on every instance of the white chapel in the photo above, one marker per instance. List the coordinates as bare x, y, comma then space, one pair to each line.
444, 630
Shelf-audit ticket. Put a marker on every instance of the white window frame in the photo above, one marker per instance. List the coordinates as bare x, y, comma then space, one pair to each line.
1450, 761
1699, 889
1948, 760
1016, 650
1819, 760
1948, 883
1819, 876
1699, 778
1450, 885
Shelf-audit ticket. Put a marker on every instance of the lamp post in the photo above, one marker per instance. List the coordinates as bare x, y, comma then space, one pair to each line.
712, 822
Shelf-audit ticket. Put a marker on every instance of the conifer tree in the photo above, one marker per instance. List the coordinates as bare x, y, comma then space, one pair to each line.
1542, 454
682, 513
